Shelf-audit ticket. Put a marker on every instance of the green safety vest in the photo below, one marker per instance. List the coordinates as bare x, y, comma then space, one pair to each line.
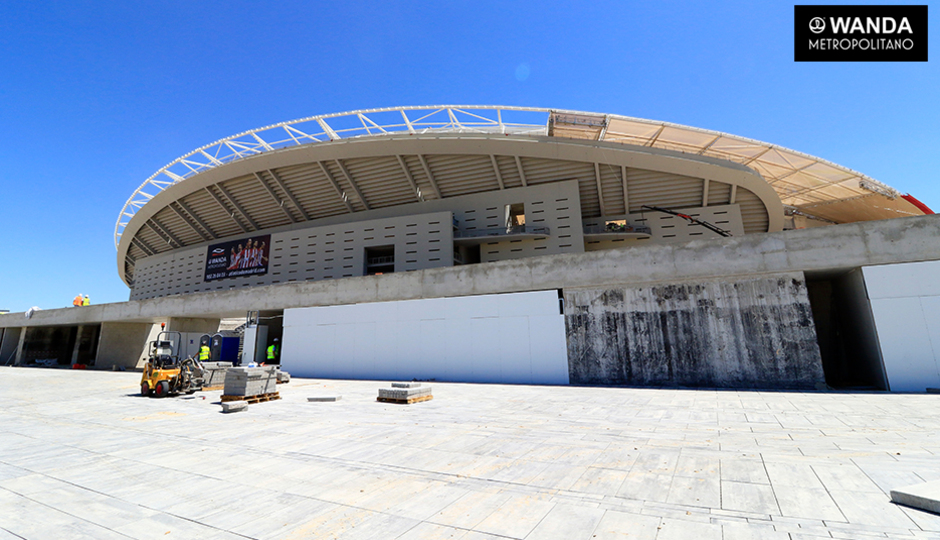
271, 352
203, 354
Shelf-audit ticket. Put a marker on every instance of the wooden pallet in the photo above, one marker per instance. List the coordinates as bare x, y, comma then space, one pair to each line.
409, 401
260, 398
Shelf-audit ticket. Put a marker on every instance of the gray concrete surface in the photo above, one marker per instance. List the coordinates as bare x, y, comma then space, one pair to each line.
741, 333
83, 456
810, 250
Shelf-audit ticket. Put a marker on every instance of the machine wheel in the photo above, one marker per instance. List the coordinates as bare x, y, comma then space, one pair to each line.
144, 389
162, 389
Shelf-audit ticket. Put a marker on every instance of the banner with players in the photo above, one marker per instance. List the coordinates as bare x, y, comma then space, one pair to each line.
246, 257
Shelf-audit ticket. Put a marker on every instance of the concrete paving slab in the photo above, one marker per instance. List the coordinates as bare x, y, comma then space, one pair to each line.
753, 498
460, 464
516, 517
567, 522
924, 496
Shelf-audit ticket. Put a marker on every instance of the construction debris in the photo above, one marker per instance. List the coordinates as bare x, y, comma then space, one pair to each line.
324, 398
405, 393
283, 376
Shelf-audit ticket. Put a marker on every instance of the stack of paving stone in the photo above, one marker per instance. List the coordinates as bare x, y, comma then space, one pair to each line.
407, 392
213, 375
245, 381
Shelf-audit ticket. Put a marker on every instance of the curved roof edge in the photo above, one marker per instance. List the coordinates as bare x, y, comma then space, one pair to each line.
799, 179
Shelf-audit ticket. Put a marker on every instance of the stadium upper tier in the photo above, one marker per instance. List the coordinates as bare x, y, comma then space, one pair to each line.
344, 163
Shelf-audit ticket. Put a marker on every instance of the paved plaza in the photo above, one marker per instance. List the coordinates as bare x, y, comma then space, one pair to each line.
82, 455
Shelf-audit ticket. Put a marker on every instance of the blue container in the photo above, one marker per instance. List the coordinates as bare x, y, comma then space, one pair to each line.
224, 348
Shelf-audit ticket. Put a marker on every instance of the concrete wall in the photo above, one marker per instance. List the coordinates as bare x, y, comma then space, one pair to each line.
189, 324
505, 338
754, 332
826, 248
905, 302
124, 344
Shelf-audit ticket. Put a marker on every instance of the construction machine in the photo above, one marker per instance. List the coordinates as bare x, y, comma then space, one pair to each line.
165, 374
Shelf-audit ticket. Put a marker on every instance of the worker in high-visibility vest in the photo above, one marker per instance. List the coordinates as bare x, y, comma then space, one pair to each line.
77, 301
204, 353
86, 301
274, 352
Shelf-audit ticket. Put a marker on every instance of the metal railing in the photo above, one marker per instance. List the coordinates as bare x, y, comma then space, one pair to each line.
503, 231
612, 228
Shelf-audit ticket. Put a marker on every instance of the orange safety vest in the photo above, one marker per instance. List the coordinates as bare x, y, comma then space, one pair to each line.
78, 301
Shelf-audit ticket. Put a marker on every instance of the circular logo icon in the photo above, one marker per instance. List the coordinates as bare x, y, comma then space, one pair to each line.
817, 25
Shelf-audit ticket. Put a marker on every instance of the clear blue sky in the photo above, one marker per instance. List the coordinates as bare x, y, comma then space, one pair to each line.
96, 96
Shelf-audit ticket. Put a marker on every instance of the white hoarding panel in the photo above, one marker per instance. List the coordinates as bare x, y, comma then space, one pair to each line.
511, 338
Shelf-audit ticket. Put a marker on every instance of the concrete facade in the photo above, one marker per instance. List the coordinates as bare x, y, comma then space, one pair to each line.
125, 345
710, 269
422, 235
755, 332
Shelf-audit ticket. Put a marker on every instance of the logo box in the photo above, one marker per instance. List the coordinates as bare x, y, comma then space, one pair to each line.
860, 33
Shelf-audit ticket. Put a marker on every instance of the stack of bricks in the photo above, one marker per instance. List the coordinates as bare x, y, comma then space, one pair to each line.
409, 392
255, 381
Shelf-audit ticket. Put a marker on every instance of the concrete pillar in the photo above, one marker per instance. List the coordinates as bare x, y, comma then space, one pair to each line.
124, 344
20, 345
78, 342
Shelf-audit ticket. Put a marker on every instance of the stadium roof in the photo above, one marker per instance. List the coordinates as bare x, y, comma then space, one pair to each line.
807, 184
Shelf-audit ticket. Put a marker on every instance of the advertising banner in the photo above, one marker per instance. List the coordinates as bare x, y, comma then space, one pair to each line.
245, 257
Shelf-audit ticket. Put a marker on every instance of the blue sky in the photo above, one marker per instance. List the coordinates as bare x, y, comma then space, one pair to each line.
96, 96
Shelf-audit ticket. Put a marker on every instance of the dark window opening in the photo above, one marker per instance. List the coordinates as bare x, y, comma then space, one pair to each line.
380, 260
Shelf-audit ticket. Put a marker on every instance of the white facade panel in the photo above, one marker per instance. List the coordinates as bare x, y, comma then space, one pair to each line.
903, 280
905, 304
509, 338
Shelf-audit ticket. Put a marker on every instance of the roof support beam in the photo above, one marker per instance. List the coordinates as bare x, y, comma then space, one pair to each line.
521, 172
427, 171
751, 160
327, 129
603, 133
499, 174
600, 190
408, 176
158, 228
189, 223
225, 209
335, 184
287, 192
709, 145
626, 196
349, 178
200, 222
143, 246
277, 200
734, 193
655, 136
237, 206
705, 193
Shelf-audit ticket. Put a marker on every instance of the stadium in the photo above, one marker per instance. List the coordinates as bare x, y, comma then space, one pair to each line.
520, 245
